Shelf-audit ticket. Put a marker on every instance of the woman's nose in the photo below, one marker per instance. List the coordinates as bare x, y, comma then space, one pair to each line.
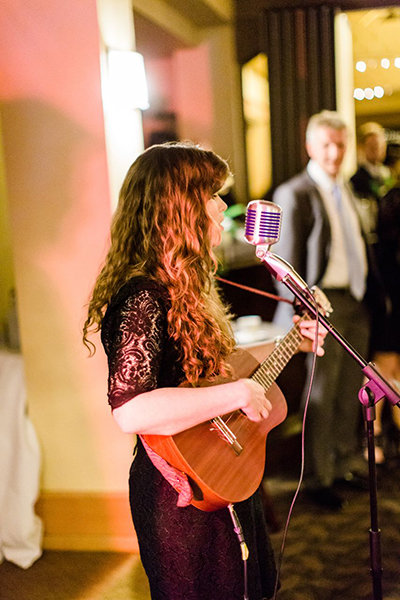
223, 205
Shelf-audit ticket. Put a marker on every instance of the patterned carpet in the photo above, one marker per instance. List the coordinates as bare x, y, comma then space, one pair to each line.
326, 555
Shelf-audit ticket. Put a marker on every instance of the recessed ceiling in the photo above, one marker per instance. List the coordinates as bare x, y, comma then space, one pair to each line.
155, 33
201, 12
152, 41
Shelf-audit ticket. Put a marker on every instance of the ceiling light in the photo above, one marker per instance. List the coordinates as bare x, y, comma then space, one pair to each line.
385, 63
359, 94
361, 66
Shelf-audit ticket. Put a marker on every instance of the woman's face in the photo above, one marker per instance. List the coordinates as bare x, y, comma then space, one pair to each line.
215, 208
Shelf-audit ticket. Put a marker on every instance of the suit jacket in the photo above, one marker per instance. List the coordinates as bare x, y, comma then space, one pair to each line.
305, 240
367, 186
363, 183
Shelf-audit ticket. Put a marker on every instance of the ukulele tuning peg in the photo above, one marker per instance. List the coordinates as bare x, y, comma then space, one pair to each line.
322, 300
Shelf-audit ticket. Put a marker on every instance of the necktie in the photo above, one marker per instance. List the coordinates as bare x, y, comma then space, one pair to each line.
356, 266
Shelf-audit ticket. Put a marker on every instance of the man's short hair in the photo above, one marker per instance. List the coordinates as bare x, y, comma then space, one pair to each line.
325, 118
367, 129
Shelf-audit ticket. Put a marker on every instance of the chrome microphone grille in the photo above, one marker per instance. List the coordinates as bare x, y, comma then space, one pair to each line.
263, 222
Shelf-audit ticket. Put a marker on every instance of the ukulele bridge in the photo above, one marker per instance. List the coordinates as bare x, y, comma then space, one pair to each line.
227, 434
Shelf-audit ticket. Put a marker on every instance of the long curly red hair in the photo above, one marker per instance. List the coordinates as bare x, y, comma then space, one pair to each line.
161, 229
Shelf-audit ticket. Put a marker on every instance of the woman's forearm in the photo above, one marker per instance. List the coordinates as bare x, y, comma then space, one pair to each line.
167, 411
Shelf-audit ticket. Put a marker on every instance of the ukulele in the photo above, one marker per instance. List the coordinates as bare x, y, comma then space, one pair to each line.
224, 458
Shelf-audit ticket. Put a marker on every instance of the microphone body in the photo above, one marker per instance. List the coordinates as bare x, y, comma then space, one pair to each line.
281, 269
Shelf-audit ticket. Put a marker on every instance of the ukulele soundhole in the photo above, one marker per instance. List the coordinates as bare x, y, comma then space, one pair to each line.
197, 492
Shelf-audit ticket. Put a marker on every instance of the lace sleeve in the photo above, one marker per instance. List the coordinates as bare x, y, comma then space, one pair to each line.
134, 343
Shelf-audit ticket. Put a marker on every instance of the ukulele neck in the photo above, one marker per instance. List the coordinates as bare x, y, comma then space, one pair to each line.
274, 364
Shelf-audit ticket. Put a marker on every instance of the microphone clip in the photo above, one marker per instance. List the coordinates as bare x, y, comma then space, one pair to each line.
284, 272
280, 268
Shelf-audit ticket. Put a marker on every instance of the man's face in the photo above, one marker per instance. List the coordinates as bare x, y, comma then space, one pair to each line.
327, 148
375, 148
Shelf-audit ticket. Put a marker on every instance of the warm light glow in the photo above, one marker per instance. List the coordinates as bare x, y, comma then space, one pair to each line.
361, 66
127, 79
369, 93
359, 94
124, 92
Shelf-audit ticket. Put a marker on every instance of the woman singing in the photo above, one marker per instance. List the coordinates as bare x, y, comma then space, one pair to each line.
162, 322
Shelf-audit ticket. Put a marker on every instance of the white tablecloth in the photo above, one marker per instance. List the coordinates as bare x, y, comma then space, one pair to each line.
20, 527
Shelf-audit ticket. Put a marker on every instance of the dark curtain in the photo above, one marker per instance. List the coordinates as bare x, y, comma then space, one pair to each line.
299, 44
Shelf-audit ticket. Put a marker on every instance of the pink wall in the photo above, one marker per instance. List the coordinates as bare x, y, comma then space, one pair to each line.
58, 195
181, 84
193, 95
47, 55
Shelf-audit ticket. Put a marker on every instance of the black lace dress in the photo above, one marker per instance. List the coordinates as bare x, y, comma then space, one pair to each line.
188, 554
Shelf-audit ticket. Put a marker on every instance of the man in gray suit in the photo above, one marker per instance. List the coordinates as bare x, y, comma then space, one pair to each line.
322, 239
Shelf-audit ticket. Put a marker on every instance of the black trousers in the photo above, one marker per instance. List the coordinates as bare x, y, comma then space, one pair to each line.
333, 414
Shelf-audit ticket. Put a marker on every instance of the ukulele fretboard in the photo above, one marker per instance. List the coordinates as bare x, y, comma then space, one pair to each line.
274, 364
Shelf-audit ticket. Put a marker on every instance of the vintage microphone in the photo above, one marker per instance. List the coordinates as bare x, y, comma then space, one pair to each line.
262, 229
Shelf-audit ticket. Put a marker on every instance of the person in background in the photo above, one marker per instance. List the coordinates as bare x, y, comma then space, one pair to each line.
371, 182
388, 257
322, 239
388, 228
373, 178
162, 323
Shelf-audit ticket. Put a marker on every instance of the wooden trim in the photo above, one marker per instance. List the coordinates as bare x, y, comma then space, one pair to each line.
87, 521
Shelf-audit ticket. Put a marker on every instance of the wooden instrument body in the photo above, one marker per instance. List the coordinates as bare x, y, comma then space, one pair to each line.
224, 469
217, 473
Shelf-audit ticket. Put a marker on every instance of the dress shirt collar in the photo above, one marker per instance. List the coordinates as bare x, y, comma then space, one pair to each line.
322, 179
377, 170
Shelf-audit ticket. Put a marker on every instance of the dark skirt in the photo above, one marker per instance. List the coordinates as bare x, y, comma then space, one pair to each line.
189, 554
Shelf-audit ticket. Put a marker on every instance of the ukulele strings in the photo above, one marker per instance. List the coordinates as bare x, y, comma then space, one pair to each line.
266, 374
279, 357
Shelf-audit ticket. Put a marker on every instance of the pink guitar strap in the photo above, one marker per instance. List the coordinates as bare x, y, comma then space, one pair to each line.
176, 478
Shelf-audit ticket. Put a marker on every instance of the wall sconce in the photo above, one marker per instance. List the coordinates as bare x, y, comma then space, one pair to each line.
127, 84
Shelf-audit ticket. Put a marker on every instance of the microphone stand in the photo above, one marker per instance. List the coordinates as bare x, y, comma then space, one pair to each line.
375, 388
